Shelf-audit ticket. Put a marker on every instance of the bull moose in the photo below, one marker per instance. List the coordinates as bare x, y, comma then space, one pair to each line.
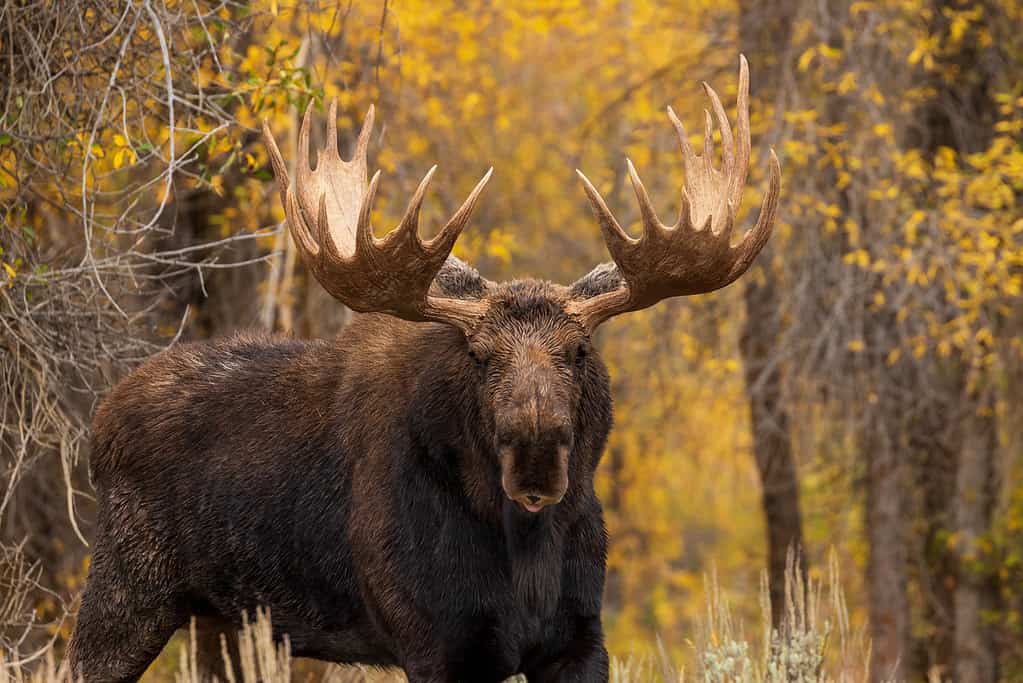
417, 492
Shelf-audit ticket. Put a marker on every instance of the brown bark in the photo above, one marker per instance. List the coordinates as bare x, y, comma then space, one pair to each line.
764, 35
975, 654
933, 455
772, 442
886, 566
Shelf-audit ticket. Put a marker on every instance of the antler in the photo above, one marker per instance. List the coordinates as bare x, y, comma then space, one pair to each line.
328, 211
694, 255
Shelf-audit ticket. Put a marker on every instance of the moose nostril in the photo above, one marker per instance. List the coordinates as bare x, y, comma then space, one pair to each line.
533, 500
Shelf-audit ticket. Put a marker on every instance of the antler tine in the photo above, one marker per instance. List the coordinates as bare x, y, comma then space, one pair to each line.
695, 255
615, 238
688, 155
299, 230
651, 224
365, 240
331, 145
362, 143
280, 169
708, 142
408, 228
742, 134
303, 167
444, 240
727, 141
754, 240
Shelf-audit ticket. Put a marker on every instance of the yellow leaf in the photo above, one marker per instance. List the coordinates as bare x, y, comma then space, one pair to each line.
829, 52
806, 58
10, 271
860, 8
847, 83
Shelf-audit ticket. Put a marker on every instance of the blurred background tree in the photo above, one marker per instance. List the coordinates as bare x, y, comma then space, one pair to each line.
858, 390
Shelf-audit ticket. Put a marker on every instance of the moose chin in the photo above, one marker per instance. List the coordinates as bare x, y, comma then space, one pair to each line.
418, 492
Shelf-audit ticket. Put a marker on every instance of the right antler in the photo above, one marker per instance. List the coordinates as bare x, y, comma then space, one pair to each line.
390, 275
694, 255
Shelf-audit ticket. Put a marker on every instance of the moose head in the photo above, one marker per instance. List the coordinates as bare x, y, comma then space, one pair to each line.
529, 341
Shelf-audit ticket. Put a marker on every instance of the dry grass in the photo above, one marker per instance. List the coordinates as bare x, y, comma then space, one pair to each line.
815, 646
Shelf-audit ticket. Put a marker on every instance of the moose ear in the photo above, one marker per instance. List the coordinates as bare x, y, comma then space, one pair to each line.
458, 280
601, 280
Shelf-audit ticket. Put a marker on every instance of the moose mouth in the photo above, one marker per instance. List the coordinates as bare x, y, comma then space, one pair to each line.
535, 502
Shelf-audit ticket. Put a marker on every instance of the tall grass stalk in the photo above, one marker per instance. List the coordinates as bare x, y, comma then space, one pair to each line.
814, 644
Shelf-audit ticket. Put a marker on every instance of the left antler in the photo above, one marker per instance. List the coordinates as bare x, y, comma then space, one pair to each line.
328, 210
694, 255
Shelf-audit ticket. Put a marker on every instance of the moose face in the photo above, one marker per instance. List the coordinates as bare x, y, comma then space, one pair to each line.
532, 360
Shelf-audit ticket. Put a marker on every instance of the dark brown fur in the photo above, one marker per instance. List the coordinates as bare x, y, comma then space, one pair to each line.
362, 490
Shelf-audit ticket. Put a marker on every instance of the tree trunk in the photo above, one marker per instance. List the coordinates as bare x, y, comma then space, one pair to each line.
765, 33
772, 443
886, 567
975, 658
933, 455
962, 116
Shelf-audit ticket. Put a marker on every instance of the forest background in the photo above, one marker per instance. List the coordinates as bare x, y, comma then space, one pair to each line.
857, 393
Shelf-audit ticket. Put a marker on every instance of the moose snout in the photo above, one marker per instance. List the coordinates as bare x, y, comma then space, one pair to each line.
534, 478
533, 430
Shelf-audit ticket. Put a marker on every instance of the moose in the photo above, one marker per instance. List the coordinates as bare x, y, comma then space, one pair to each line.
419, 491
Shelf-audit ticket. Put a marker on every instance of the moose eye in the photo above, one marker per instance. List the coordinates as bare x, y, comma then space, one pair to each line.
580, 356
479, 359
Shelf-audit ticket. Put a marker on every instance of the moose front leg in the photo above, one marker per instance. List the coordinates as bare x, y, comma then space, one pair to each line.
575, 650
584, 660
426, 671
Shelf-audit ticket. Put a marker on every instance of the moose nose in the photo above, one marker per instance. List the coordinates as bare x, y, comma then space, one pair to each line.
534, 502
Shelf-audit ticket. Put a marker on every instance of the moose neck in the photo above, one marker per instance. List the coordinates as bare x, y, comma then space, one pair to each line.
442, 411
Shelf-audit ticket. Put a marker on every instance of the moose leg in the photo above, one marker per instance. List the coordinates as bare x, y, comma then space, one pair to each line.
118, 634
117, 642
421, 672
575, 640
585, 660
